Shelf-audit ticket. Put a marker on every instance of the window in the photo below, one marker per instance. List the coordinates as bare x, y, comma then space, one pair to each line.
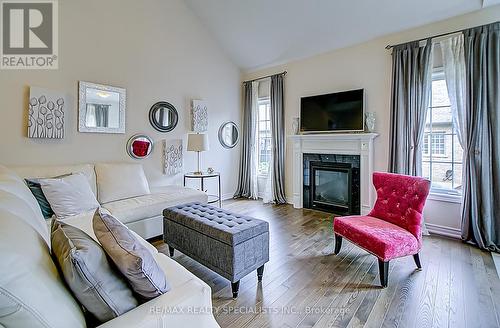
441, 151
437, 143
264, 135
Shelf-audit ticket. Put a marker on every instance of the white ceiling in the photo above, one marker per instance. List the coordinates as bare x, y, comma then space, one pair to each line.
258, 33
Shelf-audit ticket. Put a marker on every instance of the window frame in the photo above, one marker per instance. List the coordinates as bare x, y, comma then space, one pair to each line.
267, 102
437, 193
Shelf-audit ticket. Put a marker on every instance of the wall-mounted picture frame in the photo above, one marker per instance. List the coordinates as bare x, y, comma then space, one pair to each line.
46, 113
199, 115
172, 156
101, 108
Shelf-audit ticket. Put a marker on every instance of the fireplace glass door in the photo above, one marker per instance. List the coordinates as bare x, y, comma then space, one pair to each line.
331, 186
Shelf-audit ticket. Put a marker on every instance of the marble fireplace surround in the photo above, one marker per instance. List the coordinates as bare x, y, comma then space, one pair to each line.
335, 143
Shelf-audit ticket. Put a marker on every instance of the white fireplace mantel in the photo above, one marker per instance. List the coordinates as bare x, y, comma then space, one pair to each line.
335, 143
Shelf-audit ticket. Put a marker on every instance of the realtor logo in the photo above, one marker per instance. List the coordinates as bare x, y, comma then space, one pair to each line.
28, 34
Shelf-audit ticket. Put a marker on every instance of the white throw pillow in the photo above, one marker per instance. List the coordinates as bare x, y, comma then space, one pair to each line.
69, 195
120, 181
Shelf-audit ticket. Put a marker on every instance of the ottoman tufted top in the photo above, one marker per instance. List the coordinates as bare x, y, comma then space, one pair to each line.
227, 227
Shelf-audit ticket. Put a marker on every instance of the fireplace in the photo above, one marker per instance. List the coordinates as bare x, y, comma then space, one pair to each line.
356, 149
331, 183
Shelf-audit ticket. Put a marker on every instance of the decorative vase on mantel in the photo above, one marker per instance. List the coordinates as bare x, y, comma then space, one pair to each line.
370, 121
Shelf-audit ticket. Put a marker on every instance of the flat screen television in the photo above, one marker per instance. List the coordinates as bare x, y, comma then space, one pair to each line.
333, 112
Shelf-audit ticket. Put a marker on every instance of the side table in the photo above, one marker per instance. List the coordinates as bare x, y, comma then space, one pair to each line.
205, 175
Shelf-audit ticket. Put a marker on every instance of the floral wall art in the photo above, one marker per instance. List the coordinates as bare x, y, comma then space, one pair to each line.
172, 156
199, 116
46, 114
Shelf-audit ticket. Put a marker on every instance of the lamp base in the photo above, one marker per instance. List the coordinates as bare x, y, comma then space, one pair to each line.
198, 171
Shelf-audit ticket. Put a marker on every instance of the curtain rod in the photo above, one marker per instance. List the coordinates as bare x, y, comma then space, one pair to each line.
389, 46
265, 77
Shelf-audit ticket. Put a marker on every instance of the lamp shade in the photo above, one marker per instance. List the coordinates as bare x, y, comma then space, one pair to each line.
197, 142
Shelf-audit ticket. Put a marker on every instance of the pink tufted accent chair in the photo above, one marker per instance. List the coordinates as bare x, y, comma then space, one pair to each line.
393, 227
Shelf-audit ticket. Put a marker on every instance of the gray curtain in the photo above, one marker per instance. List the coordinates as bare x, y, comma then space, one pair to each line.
101, 115
411, 86
481, 185
244, 179
278, 139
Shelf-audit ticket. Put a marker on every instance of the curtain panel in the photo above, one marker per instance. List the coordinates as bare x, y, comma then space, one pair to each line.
481, 185
278, 139
452, 51
410, 98
247, 173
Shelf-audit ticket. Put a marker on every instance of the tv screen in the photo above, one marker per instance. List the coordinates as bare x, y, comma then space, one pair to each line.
340, 111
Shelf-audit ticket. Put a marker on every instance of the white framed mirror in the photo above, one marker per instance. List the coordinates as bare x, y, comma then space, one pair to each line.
101, 108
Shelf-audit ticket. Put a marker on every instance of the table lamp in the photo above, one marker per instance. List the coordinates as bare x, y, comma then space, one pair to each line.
197, 142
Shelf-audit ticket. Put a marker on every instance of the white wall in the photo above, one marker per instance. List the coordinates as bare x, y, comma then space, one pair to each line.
367, 66
157, 50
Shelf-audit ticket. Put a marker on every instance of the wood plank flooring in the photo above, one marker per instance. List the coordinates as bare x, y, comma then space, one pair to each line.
306, 285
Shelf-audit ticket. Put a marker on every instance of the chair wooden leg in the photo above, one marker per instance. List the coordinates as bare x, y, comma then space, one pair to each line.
338, 243
417, 261
383, 269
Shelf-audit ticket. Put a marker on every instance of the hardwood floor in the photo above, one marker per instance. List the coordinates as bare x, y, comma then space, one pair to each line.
306, 285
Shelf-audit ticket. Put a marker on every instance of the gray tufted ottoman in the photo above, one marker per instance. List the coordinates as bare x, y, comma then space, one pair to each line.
230, 244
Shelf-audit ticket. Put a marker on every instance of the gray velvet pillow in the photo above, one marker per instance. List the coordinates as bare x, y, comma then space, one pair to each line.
133, 260
96, 284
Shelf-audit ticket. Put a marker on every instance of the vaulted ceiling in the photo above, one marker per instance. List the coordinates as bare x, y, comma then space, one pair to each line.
257, 33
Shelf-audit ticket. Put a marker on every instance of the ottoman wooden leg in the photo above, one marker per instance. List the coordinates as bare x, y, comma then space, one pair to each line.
171, 251
235, 286
260, 272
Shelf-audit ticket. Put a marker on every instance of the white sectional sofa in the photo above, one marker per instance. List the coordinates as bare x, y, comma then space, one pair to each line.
33, 294
142, 214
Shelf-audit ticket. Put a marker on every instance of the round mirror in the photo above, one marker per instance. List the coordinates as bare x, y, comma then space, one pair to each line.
139, 146
228, 134
163, 116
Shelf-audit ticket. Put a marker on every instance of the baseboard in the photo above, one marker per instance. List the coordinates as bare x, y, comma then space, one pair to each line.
227, 196
443, 230
434, 229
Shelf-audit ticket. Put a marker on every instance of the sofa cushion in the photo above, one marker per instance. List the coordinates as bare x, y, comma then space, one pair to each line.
32, 294
133, 260
386, 240
69, 195
17, 199
120, 181
94, 281
152, 205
